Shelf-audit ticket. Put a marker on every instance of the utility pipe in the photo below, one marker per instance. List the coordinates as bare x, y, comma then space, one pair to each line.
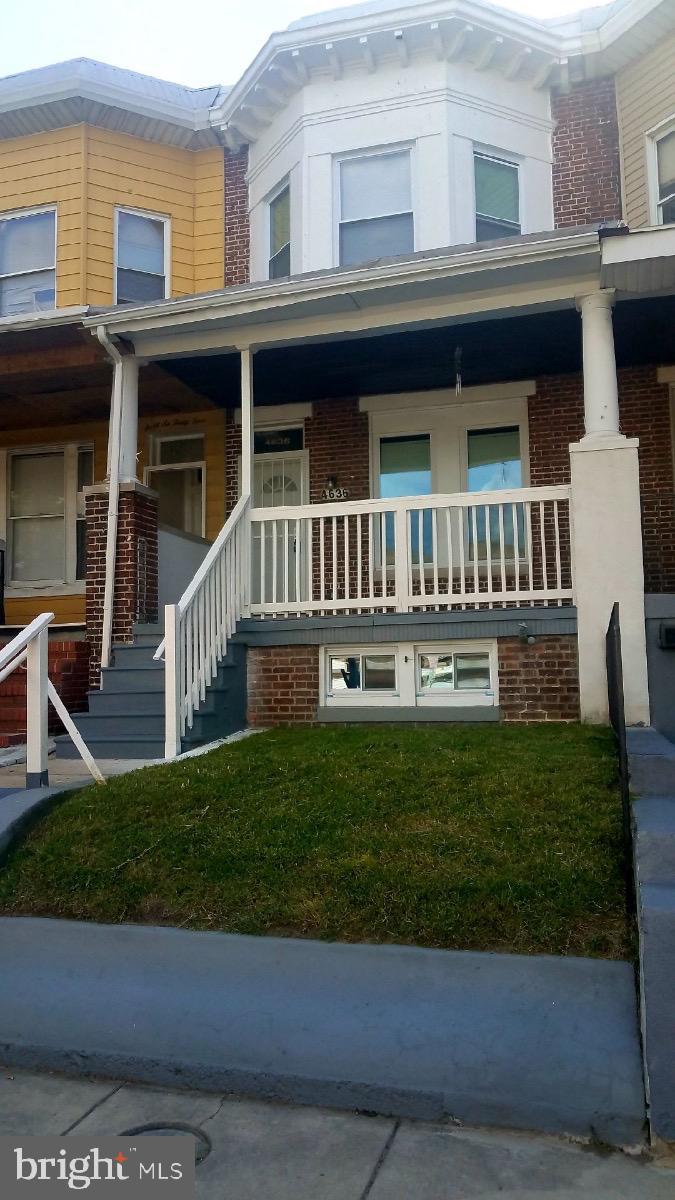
114, 437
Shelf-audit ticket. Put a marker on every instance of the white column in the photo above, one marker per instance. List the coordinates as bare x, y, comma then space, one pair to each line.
246, 421
601, 396
129, 419
37, 675
606, 528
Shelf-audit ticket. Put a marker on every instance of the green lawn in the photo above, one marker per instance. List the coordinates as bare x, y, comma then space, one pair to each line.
484, 837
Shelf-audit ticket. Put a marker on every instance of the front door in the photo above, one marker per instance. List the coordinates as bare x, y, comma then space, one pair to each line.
279, 480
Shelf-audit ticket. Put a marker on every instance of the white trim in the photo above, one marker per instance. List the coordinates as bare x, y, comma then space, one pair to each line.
442, 397
380, 151
652, 138
152, 216
290, 416
407, 693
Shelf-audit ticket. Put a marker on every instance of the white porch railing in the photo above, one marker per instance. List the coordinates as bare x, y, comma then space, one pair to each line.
30, 646
477, 550
197, 629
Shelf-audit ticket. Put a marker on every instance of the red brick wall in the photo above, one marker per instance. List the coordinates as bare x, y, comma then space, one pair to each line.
237, 233
68, 671
556, 418
539, 682
136, 572
336, 437
586, 174
283, 684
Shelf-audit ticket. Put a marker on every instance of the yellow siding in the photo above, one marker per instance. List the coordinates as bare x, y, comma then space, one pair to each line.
46, 168
212, 424
645, 97
22, 610
87, 172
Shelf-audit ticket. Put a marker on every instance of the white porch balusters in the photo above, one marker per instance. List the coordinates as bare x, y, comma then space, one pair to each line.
606, 527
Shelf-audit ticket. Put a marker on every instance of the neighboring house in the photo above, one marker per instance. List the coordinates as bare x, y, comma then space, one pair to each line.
407, 223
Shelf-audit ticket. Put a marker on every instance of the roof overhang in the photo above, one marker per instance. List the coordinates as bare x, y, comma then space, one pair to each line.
466, 283
640, 263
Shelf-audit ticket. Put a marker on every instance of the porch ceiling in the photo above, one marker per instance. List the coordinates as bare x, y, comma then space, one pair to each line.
422, 359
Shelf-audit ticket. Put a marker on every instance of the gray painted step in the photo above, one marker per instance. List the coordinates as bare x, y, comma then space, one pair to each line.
655, 839
137, 656
132, 679
150, 701
657, 957
140, 747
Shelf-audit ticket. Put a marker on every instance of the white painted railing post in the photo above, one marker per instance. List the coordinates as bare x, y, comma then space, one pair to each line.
401, 553
37, 730
172, 681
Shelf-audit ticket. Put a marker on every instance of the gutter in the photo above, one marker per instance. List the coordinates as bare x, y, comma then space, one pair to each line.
114, 450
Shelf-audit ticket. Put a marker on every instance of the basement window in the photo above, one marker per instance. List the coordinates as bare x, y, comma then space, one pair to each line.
142, 242
27, 262
408, 675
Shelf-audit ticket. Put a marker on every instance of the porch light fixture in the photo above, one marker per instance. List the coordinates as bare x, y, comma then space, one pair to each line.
527, 638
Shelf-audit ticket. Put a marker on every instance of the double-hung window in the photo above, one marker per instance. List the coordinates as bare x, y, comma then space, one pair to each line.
45, 515
27, 262
280, 233
376, 211
141, 256
497, 197
665, 178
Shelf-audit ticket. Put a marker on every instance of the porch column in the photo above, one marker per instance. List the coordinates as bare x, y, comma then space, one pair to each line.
606, 527
246, 354
129, 419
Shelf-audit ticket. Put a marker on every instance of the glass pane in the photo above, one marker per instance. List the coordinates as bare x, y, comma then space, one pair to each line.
345, 673
488, 230
38, 549
494, 459
27, 243
280, 264
375, 186
277, 482
472, 671
668, 212
405, 466
37, 486
27, 293
665, 151
180, 498
280, 221
140, 243
134, 286
382, 237
85, 469
496, 189
435, 671
379, 672
181, 450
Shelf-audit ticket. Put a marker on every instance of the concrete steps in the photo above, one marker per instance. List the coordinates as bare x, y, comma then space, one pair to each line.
126, 715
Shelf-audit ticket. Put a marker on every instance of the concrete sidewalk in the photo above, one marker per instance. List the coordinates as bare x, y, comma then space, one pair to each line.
278, 1152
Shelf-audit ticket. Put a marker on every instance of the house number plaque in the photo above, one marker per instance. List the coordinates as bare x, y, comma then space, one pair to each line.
335, 493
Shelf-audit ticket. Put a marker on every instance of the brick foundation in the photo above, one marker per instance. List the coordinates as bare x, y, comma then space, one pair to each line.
68, 671
136, 572
586, 171
536, 683
237, 232
539, 682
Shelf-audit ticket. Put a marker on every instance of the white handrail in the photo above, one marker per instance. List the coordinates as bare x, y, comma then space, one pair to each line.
408, 503
31, 646
197, 629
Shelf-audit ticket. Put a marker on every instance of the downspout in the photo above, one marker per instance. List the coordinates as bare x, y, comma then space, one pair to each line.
114, 450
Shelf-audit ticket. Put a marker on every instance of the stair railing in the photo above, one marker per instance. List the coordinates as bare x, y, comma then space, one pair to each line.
197, 629
30, 646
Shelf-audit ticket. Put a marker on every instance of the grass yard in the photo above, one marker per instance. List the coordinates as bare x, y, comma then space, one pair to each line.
486, 837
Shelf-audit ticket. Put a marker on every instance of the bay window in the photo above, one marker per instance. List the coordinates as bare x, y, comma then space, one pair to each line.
497, 191
27, 262
46, 531
375, 205
142, 243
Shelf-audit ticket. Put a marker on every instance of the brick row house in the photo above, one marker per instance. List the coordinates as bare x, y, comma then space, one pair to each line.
363, 367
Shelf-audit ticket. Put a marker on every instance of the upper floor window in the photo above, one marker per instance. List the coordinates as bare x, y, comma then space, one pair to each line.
280, 233
665, 165
376, 217
497, 197
27, 262
141, 256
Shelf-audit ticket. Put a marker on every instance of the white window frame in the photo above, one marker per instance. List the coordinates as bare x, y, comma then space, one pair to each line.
284, 184
151, 216
16, 215
70, 585
508, 160
407, 693
155, 465
652, 139
371, 152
